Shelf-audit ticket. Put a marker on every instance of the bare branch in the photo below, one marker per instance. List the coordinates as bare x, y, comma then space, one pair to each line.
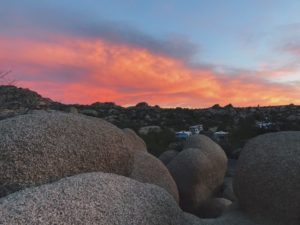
4, 79
4, 74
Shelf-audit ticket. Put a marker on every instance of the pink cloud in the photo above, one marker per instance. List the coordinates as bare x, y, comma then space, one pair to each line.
74, 70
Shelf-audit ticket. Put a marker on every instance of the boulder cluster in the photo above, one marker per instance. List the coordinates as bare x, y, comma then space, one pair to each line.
68, 168
199, 172
263, 189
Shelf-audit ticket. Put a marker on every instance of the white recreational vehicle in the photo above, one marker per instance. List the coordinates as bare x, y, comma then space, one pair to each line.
196, 129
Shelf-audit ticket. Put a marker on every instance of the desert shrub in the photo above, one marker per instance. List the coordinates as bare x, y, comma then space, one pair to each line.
245, 130
158, 142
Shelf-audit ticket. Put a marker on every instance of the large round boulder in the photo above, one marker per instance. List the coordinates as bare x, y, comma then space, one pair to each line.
149, 169
267, 181
92, 198
209, 148
44, 146
135, 143
198, 173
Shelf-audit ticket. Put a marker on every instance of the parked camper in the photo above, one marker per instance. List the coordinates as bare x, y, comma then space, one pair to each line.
183, 135
264, 125
220, 135
196, 129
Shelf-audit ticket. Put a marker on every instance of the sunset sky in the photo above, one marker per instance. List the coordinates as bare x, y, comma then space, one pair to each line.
171, 53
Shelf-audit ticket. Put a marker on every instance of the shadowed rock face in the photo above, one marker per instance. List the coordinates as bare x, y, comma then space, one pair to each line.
228, 192
167, 156
267, 182
233, 217
190, 219
198, 172
93, 198
149, 169
214, 208
46, 146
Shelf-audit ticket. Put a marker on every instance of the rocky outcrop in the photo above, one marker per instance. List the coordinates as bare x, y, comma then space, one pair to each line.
12, 97
46, 146
267, 181
93, 198
198, 172
149, 169
17, 101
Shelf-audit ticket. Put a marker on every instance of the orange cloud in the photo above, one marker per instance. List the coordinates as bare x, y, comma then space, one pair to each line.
76, 70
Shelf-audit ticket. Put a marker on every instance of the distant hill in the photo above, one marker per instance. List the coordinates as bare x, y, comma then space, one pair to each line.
241, 123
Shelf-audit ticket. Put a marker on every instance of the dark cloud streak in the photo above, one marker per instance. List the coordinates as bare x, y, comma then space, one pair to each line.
36, 25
